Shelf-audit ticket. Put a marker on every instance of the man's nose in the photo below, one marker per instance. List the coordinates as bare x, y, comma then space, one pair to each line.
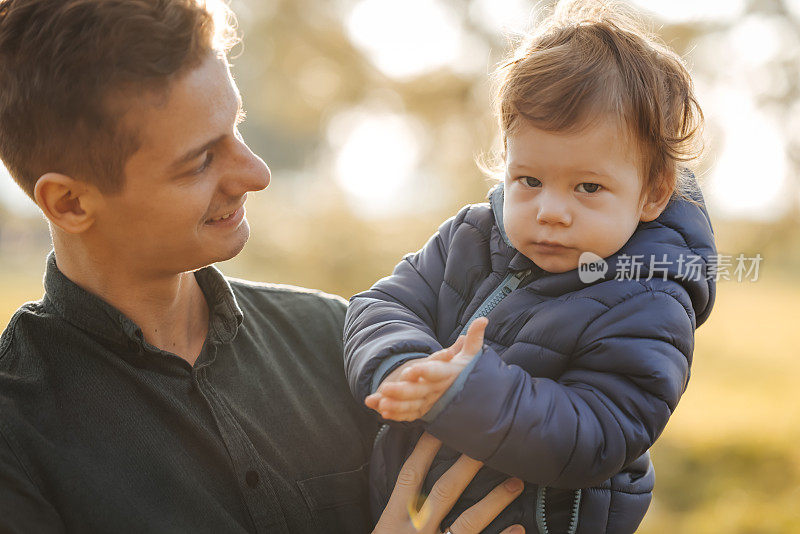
249, 172
552, 209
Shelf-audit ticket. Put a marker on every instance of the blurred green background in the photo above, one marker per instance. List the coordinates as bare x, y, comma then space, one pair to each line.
372, 114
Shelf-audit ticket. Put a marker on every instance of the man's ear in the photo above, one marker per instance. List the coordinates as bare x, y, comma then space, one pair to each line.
657, 198
68, 203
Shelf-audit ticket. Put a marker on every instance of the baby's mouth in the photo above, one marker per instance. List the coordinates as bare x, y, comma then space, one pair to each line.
550, 244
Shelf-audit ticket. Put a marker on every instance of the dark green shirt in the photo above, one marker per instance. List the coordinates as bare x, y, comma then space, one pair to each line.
102, 432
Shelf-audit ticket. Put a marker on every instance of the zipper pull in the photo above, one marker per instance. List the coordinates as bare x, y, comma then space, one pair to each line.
522, 275
514, 282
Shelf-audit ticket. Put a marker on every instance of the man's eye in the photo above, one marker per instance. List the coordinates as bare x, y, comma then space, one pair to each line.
530, 181
588, 187
206, 163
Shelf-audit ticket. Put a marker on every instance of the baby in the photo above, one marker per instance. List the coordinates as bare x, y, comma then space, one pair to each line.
567, 375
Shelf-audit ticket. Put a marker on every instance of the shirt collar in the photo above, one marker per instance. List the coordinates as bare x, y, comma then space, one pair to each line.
99, 318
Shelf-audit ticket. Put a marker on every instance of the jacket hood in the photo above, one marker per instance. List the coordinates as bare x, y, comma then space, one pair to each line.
678, 246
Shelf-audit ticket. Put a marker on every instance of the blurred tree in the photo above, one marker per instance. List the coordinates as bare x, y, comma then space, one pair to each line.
299, 69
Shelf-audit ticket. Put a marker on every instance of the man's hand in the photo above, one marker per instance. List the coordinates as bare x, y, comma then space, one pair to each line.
402, 515
411, 390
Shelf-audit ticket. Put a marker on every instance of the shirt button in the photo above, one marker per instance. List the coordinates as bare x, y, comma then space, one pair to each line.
251, 477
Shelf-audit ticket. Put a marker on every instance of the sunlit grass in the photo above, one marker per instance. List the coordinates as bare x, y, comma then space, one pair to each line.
728, 461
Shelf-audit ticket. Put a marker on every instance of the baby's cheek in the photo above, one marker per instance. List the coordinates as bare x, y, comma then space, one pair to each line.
610, 235
514, 227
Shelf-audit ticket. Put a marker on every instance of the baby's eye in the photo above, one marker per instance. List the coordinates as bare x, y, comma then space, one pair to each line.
588, 187
530, 181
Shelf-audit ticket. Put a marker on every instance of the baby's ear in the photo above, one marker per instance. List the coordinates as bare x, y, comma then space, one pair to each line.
658, 197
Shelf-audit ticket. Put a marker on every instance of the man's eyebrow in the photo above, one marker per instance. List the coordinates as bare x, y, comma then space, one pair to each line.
195, 152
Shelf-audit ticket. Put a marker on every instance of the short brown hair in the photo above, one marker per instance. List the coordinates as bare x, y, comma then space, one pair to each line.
591, 59
66, 67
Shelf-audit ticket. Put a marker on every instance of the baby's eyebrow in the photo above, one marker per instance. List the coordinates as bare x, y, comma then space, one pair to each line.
576, 172
596, 173
519, 166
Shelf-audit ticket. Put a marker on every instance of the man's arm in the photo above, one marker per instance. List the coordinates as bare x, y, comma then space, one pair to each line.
23, 509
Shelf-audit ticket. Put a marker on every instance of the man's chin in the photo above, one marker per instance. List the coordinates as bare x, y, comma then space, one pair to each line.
231, 252
222, 252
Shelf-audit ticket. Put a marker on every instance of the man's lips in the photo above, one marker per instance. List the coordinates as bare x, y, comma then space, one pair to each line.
225, 216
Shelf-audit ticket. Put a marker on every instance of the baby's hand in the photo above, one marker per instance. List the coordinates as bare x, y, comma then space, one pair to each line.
409, 392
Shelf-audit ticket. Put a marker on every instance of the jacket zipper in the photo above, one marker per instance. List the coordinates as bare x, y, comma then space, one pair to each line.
509, 284
541, 520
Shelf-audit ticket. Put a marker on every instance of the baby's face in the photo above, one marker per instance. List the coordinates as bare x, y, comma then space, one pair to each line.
566, 194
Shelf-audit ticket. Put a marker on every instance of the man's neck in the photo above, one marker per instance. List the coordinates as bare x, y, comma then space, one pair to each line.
171, 310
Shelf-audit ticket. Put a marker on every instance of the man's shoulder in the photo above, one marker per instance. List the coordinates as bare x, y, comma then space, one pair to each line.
282, 291
26, 320
298, 316
289, 298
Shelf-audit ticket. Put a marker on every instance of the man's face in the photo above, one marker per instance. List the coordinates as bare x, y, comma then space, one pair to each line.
566, 194
182, 205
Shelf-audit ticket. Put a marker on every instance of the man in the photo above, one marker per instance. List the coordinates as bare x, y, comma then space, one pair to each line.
146, 392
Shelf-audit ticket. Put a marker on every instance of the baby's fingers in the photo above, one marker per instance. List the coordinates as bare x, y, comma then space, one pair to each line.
411, 390
448, 353
432, 371
473, 343
406, 410
372, 400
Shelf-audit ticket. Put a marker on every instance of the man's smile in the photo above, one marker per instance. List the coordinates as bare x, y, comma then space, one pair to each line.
231, 217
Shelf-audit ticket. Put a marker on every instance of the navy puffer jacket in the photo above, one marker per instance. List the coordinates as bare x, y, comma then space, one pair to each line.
575, 382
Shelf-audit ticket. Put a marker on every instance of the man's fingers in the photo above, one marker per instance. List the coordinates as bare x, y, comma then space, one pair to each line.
412, 474
432, 371
478, 517
473, 342
448, 488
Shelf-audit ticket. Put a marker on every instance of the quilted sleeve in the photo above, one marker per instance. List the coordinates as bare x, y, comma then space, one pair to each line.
394, 320
608, 408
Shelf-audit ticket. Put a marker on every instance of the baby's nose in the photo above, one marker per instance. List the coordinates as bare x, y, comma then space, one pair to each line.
552, 211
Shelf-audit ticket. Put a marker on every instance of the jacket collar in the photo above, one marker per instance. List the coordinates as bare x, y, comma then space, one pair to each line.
518, 262
100, 319
681, 234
